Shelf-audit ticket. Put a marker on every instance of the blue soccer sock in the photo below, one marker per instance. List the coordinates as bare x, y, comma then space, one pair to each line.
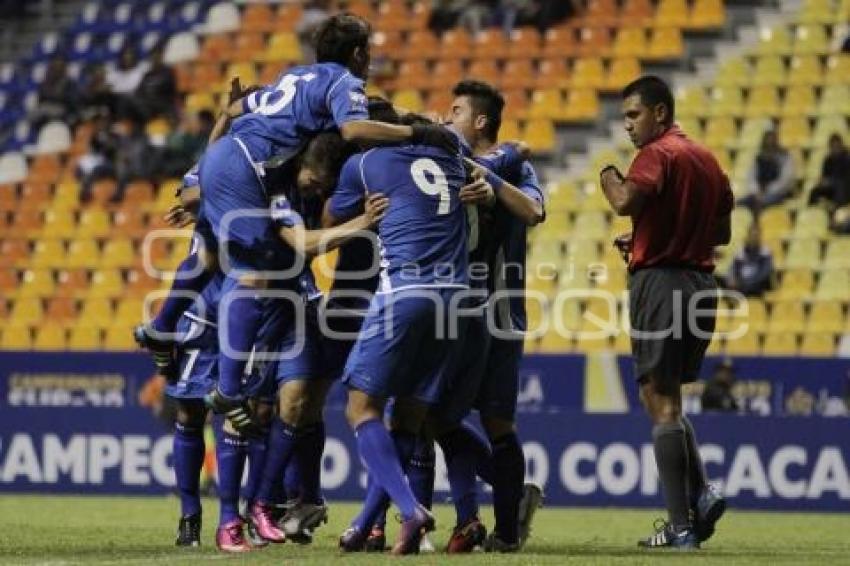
231, 452
179, 299
464, 450
308, 457
257, 451
421, 471
509, 474
374, 510
237, 328
282, 441
189, 453
376, 449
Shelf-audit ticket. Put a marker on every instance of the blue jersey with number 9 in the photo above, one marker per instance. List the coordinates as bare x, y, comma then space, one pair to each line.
422, 237
281, 118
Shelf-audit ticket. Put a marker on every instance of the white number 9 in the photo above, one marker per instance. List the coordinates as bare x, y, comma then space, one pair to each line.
436, 186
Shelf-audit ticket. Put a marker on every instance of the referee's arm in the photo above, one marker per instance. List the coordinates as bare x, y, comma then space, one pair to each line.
624, 196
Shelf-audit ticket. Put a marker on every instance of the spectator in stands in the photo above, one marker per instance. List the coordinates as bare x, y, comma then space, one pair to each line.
472, 14
186, 143
125, 76
56, 95
752, 269
95, 96
157, 90
96, 163
717, 395
134, 156
541, 14
772, 177
834, 183
315, 12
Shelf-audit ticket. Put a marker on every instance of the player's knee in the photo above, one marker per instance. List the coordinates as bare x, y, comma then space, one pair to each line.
361, 407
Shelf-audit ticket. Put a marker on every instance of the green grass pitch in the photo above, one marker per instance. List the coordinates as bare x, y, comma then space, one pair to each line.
119, 531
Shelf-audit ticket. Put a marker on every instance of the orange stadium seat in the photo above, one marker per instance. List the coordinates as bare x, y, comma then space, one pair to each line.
387, 44
526, 43
456, 44
72, 282
552, 73
490, 44
61, 310
516, 103
593, 42
393, 15
636, 13
103, 191
288, 16
9, 282
139, 283
600, 13
26, 222
559, 43
517, 74
45, 168
440, 101
204, 75
258, 18
216, 49
413, 74
248, 46
362, 8
484, 70
35, 195
13, 251
421, 45
446, 74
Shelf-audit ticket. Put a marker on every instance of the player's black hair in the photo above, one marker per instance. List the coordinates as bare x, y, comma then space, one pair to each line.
653, 91
486, 101
326, 153
382, 110
338, 36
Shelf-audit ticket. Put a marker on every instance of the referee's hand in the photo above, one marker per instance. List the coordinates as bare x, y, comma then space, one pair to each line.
623, 243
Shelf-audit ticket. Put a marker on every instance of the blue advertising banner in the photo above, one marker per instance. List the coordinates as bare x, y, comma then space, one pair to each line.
74, 423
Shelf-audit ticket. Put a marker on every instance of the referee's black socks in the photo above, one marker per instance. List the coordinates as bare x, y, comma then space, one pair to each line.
671, 456
696, 470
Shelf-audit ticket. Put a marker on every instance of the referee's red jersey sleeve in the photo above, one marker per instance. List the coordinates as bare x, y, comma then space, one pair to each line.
727, 199
647, 170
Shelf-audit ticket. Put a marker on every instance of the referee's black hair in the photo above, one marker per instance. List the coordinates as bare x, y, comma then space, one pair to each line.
653, 91
338, 37
485, 100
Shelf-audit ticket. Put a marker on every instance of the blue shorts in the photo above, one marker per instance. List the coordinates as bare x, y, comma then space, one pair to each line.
229, 183
399, 353
497, 396
337, 347
301, 348
463, 386
198, 360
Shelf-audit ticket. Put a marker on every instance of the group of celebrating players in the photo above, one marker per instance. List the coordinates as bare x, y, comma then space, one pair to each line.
426, 307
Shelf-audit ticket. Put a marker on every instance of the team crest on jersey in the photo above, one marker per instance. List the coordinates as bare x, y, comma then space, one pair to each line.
357, 98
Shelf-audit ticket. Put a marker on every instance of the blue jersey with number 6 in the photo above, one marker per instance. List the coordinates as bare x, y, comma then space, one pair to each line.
422, 237
280, 118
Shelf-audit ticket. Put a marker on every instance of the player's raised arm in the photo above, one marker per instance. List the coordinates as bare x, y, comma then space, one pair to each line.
520, 203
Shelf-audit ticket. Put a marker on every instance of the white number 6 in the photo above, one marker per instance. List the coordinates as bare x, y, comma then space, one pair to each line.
437, 185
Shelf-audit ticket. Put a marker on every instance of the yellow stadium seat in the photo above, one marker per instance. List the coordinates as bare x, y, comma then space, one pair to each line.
67, 195
799, 100
58, 225
775, 223
119, 252
803, 253
825, 316
621, 72
48, 253
837, 253
795, 132
84, 338
811, 223
691, 102
282, 46
129, 312
834, 284
629, 42
247, 73
666, 43
777, 249
763, 101
835, 100
773, 41
818, 344
50, 337
82, 253
26, 312
735, 72
106, 283
95, 313
780, 344
540, 136
553, 343
838, 69
672, 14
748, 344
119, 338
94, 223
581, 105
197, 101
720, 131
37, 283
769, 71
817, 12
805, 70
588, 72
811, 40
726, 101
546, 251
409, 99
510, 130
16, 338
707, 14
546, 104
795, 283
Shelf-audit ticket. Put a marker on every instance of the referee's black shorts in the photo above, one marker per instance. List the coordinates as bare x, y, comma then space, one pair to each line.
672, 312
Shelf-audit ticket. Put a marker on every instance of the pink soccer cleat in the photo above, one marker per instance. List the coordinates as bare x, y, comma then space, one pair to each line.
264, 524
230, 538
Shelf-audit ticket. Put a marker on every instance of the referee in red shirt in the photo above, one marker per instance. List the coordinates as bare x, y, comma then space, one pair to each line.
680, 204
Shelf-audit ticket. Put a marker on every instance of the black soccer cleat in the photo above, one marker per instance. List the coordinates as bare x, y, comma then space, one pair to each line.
162, 352
709, 510
353, 540
189, 531
668, 537
532, 500
236, 411
376, 541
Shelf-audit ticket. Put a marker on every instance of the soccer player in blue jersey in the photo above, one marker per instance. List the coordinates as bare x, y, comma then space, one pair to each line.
402, 349
492, 386
273, 124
